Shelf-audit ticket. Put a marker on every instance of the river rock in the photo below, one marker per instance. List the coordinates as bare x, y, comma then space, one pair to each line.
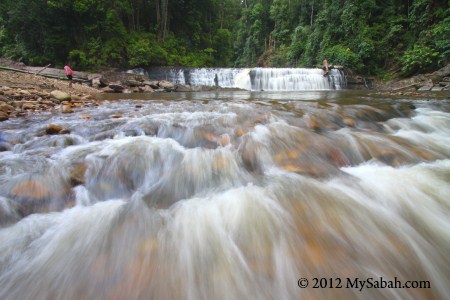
425, 88
349, 122
166, 85
3, 116
224, 140
146, 89
5, 107
182, 88
66, 109
30, 189
96, 82
5, 146
53, 129
116, 87
239, 132
121, 77
133, 83
443, 72
152, 84
313, 124
28, 105
76, 176
59, 95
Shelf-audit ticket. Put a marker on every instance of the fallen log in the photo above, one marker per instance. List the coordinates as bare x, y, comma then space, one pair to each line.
45, 75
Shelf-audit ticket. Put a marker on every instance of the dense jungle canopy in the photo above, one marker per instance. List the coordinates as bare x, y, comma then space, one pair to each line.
378, 37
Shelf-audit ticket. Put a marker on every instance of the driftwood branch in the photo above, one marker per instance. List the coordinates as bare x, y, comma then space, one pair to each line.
37, 73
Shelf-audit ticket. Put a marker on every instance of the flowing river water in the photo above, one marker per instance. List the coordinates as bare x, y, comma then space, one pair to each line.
232, 195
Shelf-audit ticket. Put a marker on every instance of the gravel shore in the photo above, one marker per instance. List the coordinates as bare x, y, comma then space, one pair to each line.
23, 94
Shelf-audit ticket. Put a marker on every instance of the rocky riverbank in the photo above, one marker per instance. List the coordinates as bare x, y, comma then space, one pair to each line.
23, 94
437, 81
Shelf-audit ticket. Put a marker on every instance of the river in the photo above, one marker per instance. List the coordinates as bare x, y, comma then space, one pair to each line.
230, 195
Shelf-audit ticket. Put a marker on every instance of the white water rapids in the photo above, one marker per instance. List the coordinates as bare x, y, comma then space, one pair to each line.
210, 198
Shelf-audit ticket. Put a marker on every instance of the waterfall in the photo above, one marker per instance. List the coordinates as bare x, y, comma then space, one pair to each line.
253, 79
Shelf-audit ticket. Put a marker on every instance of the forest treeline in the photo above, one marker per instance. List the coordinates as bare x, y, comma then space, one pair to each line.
383, 37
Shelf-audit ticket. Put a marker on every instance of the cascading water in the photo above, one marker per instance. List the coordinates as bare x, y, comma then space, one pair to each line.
237, 199
256, 79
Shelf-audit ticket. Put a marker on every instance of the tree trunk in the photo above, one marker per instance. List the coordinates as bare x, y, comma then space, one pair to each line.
164, 24
158, 18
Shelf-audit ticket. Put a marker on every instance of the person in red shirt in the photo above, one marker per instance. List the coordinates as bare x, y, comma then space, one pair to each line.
69, 74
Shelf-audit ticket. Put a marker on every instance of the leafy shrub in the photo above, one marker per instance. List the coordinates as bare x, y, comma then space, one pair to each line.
341, 55
142, 53
419, 59
78, 59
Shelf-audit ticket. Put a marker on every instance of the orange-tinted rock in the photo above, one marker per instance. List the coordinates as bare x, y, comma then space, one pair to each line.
313, 124
30, 189
239, 132
3, 116
53, 129
224, 139
66, 109
349, 122
209, 136
76, 176
292, 154
338, 158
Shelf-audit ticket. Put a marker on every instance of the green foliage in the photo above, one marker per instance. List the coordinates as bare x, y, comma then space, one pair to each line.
78, 59
143, 53
367, 36
202, 58
223, 45
439, 35
419, 59
341, 55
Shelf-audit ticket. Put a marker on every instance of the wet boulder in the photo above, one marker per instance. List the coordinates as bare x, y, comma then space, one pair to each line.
76, 176
53, 129
39, 193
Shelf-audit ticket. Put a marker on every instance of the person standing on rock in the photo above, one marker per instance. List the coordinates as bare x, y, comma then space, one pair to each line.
69, 74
